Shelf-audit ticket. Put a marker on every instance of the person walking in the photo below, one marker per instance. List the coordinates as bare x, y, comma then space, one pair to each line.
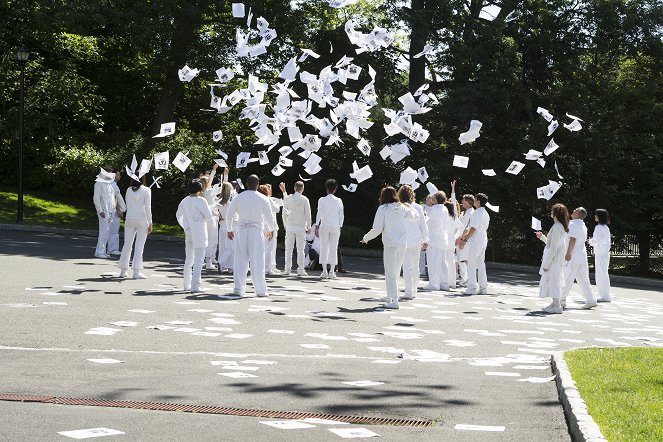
137, 225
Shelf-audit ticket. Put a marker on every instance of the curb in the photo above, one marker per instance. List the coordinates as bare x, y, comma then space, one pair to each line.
581, 425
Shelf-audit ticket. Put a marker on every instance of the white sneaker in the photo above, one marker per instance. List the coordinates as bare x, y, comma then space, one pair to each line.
462, 283
139, 276
430, 288
392, 305
603, 299
264, 295
287, 272
302, 273
274, 271
483, 291
332, 275
407, 297
553, 309
238, 292
123, 274
384, 299
199, 290
470, 292
589, 305
96, 255
210, 266
324, 274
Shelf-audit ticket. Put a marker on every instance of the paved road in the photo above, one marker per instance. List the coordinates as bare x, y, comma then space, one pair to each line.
443, 357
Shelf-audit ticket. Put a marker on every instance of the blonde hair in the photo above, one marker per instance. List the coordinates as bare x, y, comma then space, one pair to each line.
206, 182
226, 193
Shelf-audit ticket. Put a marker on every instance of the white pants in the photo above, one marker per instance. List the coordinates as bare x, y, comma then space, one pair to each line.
462, 271
114, 235
476, 264
328, 245
250, 248
292, 238
134, 229
601, 264
437, 268
270, 252
212, 238
577, 271
226, 248
393, 261
450, 257
422, 263
193, 265
411, 269
104, 232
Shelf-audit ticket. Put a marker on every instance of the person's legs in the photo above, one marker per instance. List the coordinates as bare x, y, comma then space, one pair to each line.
411, 271
300, 240
481, 269
114, 235
393, 261
451, 266
212, 241
472, 264
257, 258
582, 276
290, 240
188, 262
141, 237
125, 257
601, 264
104, 232
198, 259
434, 258
241, 260
270, 254
334, 235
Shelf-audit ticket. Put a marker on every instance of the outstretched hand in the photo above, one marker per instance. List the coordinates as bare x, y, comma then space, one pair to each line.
282, 187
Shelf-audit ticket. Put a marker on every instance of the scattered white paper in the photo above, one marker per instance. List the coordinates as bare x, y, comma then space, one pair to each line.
238, 375
488, 172
495, 209
166, 130
363, 383
288, 425
182, 162
536, 224
106, 361
350, 433
515, 167
461, 161
90, 432
470, 427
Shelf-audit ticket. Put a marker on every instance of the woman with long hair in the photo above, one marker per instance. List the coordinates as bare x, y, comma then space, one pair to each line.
226, 246
213, 224
601, 242
137, 225
551, 284
390, 222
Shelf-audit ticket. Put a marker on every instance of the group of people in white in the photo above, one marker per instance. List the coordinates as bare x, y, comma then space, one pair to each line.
236, 232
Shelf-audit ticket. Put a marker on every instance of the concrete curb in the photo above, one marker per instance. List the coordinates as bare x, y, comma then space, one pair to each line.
581, 425
348, 251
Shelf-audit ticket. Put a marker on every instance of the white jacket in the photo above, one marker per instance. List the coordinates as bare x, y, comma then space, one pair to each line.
296, 213
330, 212
193, 214
104, 198
417, 229
438, 218
601, 240
455, 229
139, 204
390, 221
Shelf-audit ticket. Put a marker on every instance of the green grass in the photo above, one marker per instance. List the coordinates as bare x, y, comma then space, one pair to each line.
623, 390
44, 212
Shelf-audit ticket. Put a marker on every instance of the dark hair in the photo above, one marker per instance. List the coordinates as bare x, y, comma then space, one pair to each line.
252, 182
469, 198
450, 207
482, 198
440, 197
135, 185
388, 195
195, 186
406, 194
561, 213
331, 185
603, 216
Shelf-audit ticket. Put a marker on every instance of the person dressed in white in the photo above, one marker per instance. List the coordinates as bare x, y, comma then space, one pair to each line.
114, 236
454, 230
476, 239
551, 284
106, 205
213, 224
329, 220
601, 242
417, 240
253, 212
312, 249
226, 246
137, 225
297, 222
438, 219
193, 215
467, 204
422, 255
390, 222
275, 205
576, 268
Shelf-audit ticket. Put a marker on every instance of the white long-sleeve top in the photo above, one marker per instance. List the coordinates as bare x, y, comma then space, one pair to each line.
275, 204
455, 229
104, 197
390, 222
330, 211
577, 230
193, 214
139, 203
253, 210
555, 246
438, 218
480, 220
416, 227
601, 240
121, 204
296, 213
465, 217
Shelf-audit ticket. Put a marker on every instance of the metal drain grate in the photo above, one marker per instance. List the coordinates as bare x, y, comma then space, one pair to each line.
207, 409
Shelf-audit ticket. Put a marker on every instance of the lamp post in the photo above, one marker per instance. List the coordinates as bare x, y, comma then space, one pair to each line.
22, 55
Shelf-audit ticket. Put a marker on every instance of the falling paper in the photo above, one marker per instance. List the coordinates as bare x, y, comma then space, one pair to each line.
422, 175
488, 172
161, 161
362, 174
238, 10
182, 162
472, 134
242, 159
551, 147
167, 129
536, 224
552, 127
145, 166
515, 167
351, 188
574, 126
545, 114
461, 161
426, 50
90, 432
217, 136
432, 190
495, 209
408, 176
187, 74
489, 12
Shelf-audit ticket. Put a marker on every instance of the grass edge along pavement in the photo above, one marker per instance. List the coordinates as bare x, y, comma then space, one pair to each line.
622, 389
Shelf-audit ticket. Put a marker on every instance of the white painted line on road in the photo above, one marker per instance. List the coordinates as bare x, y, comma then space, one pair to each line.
90, 432
478, 427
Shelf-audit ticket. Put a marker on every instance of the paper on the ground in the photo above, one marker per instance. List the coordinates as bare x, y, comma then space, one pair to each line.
161, 160
536, 224
106, 361
315, 420
351, 433
550, 147
181, 161
472, 134
515, 167
488, 172
471, 427
166, 129
363, 383
238, 10
90, 432
238, 375
461, 161
288, 425
536, 380
495, 209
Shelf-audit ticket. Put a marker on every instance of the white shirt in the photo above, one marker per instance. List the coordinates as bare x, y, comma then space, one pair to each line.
555, 246
118, 197
438, 218
193, 214
480, 221
275, 204
390, 221
465, 217
253, 210
577, 230
416, 227
296, 213
455, 229
601, 240
139, 203
104, 197
330, 211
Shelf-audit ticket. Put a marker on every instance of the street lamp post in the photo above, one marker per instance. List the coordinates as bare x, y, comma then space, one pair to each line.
22, 55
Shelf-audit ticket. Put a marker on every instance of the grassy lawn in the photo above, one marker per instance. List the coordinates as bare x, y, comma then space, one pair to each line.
43, 212
623, 390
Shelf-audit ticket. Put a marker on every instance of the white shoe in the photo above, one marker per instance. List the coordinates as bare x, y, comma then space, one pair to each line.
287, 272
199, 290
239, 293
589, 305
96, 255
139, 276
429, 288
470, 292
274, 271
392, 305
332, 275
462, 283
553, 309
444, 288
483, 291
324, 274
115, 253
603, 299
123, 274
407, 297
302, 273
264, 295
210, 266
384, 299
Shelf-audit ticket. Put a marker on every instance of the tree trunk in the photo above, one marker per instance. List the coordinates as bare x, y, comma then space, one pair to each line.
644, 249
419, 25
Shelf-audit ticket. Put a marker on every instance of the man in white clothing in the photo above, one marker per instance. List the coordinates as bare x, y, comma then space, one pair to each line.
438, 218
468, 209
114, 237
106, 205
476, 240
253, 212
329, 220
297, 222
576, 267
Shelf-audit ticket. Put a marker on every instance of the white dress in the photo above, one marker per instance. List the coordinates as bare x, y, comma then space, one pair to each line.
551, 284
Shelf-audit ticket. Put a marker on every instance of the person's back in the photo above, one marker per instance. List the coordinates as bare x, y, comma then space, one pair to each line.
297, 212
250, 206
438, 218
480, 220
138, 203
577, 230
330, 211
